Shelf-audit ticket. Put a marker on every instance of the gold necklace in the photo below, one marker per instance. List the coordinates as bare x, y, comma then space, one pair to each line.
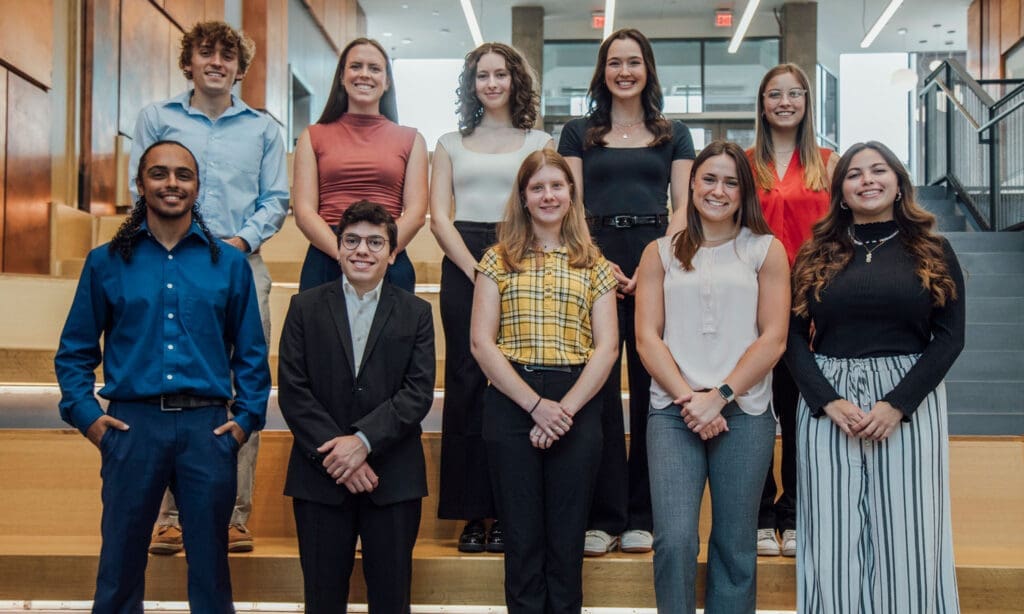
878, 242
625, 127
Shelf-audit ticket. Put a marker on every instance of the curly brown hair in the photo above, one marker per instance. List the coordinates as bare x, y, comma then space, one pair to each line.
211, 33
524, 100
600, 113
830, 248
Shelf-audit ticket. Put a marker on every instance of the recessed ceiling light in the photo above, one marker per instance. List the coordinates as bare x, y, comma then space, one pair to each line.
386, 34
406, 41
436, 13
405, 6
901, 31
950, 31
936, 25
949, 43
923, 41
446, 31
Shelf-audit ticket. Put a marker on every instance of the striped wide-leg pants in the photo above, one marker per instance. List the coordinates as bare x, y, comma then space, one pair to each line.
873, 518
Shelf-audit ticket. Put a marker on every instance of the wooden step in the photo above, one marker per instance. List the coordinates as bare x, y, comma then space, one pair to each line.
49, 519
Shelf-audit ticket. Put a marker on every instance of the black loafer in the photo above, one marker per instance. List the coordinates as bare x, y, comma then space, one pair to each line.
496, 538
473, 537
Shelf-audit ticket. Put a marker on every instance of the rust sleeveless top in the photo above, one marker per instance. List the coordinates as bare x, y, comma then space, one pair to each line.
360, 157
790, 208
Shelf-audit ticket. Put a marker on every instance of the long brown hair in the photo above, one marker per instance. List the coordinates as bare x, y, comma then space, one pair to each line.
600, 113
690, 239
337, 99
523, 101
830, 248
515, 233
815, 173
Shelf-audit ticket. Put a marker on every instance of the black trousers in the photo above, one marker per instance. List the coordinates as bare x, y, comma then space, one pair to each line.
622, 495
465, 492
327, 545
780, 514
543, 497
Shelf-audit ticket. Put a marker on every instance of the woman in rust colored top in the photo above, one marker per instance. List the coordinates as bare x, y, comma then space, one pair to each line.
792, 175
357, 151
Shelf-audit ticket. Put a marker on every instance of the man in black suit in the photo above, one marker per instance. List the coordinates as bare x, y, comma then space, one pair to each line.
356, 377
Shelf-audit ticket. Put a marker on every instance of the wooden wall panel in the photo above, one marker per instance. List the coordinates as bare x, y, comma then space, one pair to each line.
3, 158
184, 12
26, 225
974, 38
1009, 24
992, 66
266, 83
26, 38
214, 9
145, 41
101, 59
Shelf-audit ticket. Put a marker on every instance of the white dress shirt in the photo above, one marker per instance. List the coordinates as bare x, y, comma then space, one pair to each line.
360, 317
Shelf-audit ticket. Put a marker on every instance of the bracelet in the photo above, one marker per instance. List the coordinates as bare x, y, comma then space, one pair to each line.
535, 405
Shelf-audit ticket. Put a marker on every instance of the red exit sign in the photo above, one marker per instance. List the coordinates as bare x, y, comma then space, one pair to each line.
723, 19
597, 21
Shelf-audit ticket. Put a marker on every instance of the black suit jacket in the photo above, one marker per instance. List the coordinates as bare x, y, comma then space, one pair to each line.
321, 398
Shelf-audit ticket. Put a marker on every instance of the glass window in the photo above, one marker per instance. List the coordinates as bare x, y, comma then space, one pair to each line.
731, 79
568, 67
827, 112
679, 74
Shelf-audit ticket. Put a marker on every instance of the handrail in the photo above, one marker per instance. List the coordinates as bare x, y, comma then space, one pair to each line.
951, 96
998, 118
964, 76
1008, 96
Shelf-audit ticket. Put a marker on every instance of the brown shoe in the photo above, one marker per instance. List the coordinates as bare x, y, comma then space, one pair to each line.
239, 538
166, 540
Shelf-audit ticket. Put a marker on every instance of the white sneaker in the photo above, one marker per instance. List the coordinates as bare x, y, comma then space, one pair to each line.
767, 545
636, 541
789, 542
598, 543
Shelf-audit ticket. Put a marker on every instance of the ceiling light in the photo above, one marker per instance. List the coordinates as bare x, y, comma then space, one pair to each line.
474, 25
406, 41
882, 20
609, 18
741, 29
901, 31
386, 34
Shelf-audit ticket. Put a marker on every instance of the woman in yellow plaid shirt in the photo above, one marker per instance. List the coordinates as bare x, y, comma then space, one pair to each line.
544, 331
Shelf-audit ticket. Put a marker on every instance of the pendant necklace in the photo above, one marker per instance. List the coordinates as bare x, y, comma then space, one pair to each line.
624, 127
876, 243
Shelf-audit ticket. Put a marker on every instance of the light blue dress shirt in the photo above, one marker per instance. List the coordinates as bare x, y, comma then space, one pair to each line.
243, 179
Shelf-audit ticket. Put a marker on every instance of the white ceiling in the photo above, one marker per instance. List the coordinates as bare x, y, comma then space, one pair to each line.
841, 23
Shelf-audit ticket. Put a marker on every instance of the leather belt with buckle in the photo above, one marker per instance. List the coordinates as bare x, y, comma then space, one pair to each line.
556, 368
178, 402
628, 221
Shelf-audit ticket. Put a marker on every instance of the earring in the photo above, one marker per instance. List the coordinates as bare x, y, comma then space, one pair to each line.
899, 196
843, 205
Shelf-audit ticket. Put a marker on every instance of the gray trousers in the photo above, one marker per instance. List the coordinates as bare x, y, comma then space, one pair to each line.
247, 453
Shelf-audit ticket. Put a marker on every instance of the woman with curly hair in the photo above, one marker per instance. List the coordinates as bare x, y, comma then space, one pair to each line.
885, 299
626, 157
473, 172
543, 331
792, 175
357, 151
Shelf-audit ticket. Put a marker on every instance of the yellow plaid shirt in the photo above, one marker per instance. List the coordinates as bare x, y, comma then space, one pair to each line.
545, 310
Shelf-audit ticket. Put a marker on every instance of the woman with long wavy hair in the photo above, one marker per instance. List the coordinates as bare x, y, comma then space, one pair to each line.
544, 333
626, 157
357, 151
792, 174
712, 311
885, 298
472, 169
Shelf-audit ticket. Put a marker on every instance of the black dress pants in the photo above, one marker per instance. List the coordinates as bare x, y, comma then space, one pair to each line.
543, 497
781, 514
327, 545
465, 492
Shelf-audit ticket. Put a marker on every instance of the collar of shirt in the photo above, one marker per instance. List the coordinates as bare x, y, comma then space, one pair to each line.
351, 293
184, 99
193, 230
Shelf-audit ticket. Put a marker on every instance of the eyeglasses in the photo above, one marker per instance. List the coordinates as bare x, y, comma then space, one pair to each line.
794, 94
374, 243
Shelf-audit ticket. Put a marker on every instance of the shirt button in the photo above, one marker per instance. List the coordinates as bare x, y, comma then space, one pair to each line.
169, 376
170, 286
170, 316
170, 346
170, 256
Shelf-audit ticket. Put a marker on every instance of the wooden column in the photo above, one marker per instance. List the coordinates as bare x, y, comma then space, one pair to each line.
266, 83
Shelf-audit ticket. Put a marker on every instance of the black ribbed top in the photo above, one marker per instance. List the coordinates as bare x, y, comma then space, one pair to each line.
879, 309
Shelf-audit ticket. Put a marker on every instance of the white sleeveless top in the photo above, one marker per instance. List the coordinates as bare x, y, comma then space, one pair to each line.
482, 182
711, 315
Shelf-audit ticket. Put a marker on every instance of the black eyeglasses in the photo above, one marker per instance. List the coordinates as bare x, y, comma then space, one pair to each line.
374, 243
793, 94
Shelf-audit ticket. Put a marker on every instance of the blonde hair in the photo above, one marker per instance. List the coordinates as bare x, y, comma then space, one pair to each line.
515, 233
815, 174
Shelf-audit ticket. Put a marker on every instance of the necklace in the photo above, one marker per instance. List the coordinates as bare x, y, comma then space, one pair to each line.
876, 242
625, 127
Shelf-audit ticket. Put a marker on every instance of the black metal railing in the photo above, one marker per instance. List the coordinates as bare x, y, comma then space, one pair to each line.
974, 143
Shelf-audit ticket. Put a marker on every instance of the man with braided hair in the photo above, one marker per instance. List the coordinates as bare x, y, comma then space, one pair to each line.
177, 310
244, 198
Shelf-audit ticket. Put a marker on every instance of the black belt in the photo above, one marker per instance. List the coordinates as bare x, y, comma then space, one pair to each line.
627, 221
177, 402
556, 368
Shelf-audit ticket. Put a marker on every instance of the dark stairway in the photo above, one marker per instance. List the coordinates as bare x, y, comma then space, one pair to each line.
986, 385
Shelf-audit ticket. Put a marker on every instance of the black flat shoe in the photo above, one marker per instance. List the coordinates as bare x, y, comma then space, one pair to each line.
496, 538
473, 537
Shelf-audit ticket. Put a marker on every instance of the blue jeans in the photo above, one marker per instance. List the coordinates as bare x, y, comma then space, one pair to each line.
734, 463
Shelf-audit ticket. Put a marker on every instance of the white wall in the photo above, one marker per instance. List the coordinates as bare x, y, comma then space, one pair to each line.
426, 96
872, 109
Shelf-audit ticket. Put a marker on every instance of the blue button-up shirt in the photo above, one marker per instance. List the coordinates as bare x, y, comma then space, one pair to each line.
173, 322
243, 180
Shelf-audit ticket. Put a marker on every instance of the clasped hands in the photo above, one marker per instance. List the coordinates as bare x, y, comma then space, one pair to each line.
702, 413
875, 425
551, 422
345, 461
